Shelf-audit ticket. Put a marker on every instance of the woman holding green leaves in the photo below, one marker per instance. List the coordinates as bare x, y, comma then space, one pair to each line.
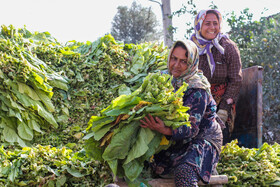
195, 153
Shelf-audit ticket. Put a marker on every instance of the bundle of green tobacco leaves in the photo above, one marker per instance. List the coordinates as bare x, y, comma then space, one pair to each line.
50, 166
250, 167
116, 136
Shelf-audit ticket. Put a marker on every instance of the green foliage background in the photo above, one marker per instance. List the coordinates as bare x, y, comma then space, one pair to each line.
258, 42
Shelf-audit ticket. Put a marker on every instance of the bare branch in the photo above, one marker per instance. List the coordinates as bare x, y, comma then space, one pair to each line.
155, 2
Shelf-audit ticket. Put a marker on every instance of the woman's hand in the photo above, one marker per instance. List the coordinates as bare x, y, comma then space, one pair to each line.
229, 101
155, 124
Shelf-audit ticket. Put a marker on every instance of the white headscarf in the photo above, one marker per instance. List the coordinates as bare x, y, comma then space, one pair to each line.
192, 75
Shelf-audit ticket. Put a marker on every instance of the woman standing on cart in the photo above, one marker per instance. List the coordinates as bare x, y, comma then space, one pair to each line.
219, 59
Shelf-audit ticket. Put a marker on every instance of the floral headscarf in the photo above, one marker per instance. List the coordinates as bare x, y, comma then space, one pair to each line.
204, 46
191, 75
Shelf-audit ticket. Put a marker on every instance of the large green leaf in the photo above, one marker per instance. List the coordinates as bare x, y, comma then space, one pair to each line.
116, 111
133, 169
6, 98
125, 100
14, 113
101, 132
59, 84
113, 164
25, 89
93, 149
10, 134
140, 147
34, 125
10, 131
97, 122
24, 131
153, 147
138, 61
124, 90
121, 142
46, 115
45, 99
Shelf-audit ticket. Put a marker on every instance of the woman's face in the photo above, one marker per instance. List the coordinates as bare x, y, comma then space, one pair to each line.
178, 62
210, 27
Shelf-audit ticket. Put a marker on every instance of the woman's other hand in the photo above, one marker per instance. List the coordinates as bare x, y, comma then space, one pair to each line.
155, 124
223, 114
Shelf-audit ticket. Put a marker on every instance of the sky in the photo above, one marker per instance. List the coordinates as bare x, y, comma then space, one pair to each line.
88, 20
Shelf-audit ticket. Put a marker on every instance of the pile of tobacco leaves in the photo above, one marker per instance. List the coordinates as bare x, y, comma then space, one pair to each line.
50, 166
49, 91
26, 89
250, 167
52, 95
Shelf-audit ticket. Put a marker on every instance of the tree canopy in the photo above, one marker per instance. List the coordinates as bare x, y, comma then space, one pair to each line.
134, 24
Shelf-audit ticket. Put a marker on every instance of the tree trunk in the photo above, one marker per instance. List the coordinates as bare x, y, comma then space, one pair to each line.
167, 22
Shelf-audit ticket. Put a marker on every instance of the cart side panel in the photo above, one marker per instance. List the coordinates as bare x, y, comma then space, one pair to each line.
248, 122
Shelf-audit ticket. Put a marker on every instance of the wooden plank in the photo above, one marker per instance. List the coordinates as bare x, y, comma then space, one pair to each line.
162, 183
215, 180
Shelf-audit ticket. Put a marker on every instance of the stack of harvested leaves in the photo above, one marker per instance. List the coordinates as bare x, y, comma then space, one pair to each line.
116, 136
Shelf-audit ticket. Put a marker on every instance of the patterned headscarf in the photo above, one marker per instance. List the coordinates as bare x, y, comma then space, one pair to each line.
204, 46
191, 75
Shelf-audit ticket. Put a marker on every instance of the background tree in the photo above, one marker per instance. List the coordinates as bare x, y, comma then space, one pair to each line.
258, 42
167, 21
190, 9
135, 24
